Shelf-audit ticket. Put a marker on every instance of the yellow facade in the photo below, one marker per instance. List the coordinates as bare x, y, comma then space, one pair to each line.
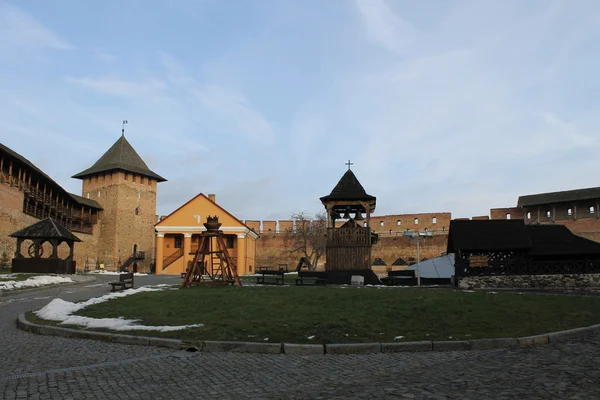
177, 236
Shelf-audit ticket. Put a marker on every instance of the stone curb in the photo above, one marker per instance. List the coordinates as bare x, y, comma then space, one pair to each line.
311, 349
16, 292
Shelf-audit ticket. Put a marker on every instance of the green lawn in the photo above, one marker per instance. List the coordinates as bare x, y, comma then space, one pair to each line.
349, 315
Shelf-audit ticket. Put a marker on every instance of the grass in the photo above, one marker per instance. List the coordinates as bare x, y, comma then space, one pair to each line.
348, 315
18, 277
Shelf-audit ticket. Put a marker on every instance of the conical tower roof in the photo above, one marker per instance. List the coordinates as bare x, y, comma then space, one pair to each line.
348, 188
121, 156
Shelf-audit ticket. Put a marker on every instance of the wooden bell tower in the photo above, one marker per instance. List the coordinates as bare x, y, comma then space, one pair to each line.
348, 248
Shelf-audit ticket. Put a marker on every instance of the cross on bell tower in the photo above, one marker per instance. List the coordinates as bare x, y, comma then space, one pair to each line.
349, 164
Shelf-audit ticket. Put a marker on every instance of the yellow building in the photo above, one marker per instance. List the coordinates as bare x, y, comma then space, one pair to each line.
177, 236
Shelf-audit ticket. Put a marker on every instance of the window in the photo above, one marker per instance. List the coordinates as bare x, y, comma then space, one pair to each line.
137, 211
507, 215
99, 193
548, 214
592, 209
249, 268
364, 224
88, 195
230, 242
416, 221
139, 195
528, 215
443, 228
177, 242
434, 220
398, 223
381, 223
425, 229
569, 212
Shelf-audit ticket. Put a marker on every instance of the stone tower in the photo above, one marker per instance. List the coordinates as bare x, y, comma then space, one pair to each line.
124, 186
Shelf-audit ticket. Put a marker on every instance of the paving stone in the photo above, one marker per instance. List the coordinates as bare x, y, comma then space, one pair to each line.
565, 336
498, 343
303, 349
533, 340
63, 368
353, 348
451, 345
241, 347
407, 347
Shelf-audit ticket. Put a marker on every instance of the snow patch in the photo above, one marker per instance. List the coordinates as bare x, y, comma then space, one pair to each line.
62, 310
34, 281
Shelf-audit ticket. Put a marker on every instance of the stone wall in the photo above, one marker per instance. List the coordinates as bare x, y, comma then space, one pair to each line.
12, 217
503, 213
273, 249
128, 218
569, 282
383, 224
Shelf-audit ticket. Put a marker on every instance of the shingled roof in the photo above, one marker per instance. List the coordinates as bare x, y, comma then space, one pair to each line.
348, 188
29, 164
121, 156
554, 240
45, 229
487, 235
559, 197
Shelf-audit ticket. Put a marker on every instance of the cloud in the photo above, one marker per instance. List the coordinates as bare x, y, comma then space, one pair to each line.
384, 26
20, 29
233, 108
119, 87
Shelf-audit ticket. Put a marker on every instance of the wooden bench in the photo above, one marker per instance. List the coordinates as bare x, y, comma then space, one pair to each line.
125, 282
310, 281
269, 277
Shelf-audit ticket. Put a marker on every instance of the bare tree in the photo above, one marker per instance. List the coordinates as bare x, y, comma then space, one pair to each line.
307, 237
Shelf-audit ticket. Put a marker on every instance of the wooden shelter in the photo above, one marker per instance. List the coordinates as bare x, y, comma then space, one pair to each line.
348, 248
45, 231
509, 247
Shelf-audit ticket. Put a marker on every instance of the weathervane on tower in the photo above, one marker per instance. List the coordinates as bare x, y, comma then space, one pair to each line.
123, 128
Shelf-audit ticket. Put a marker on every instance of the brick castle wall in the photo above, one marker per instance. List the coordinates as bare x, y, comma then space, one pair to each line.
12, 217
128, 216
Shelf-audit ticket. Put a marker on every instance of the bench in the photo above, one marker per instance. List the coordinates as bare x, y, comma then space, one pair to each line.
310, 281
269, 277
125, 282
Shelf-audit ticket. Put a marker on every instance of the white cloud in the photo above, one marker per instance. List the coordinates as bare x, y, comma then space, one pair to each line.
231, 106
20, 29
384, 26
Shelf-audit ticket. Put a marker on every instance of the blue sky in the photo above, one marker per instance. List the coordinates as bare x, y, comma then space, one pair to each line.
455, 106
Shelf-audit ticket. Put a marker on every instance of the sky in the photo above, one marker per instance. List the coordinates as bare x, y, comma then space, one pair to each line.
441, 106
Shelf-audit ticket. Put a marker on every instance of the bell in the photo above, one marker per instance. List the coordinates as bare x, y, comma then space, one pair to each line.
346, 215
358, 216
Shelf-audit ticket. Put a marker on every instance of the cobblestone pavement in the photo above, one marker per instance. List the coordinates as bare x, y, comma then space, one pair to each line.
44, 367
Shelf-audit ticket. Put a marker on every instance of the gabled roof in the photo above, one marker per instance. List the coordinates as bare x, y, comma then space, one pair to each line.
216, 205
554, 240
379, 261
487, 235
399, 261
559, 197
348, 188
45, 229
121, 156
